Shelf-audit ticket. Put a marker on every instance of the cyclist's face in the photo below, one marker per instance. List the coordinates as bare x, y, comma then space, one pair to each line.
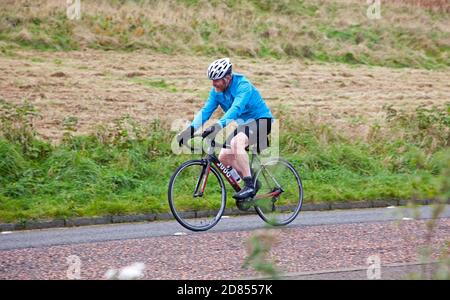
221, 84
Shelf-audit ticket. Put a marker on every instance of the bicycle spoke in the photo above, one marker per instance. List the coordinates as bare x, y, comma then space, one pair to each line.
202, 209
273, 178
280, 198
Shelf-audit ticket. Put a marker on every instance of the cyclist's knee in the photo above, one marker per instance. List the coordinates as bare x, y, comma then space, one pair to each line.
226, 155
238, 143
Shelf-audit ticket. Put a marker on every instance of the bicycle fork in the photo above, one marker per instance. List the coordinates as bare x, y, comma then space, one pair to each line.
203, 176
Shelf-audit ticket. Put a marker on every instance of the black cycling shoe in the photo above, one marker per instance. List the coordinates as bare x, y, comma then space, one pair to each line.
246, 192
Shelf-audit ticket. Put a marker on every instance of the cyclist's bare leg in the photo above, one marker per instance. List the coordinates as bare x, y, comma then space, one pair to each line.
226, 156
237, 156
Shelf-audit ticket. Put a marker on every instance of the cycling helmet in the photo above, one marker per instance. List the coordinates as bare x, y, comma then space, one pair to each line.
219, 68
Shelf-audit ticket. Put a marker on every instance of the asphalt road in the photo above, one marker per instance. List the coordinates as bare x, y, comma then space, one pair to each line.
400, 271
79, 235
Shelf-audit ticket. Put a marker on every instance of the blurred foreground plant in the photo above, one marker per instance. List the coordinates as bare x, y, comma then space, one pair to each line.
258, 248
441, 269
131, 272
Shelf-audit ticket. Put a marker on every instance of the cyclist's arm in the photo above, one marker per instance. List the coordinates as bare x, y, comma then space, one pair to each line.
244, 92
205, 113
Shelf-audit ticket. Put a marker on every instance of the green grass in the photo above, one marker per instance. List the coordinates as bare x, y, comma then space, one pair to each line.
310, 30
125, 167
156, 84
37, 60
49, 34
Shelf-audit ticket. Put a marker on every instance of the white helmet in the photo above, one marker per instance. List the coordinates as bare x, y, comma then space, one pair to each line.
219, 68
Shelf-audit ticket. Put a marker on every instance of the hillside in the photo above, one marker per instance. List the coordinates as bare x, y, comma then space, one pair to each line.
408, 34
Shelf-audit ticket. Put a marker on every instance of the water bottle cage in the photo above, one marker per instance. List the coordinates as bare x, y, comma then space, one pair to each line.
234, 174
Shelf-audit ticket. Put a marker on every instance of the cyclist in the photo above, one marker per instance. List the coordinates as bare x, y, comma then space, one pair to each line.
242, 103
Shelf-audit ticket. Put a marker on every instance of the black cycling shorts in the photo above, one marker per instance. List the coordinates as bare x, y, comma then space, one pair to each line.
257, 132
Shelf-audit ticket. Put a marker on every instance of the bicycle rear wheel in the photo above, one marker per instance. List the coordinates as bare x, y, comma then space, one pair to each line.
278, 179
202, 210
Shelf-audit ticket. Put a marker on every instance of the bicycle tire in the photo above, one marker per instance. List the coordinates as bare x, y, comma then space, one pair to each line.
297, 207
179, 214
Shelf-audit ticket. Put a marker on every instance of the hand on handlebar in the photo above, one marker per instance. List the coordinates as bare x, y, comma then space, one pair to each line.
211, 131
185, 135
208, 134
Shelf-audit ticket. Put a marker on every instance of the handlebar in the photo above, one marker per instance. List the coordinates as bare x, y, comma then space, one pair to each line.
210, 142
211, 145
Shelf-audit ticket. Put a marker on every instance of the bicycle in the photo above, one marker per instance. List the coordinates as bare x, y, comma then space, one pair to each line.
278, 200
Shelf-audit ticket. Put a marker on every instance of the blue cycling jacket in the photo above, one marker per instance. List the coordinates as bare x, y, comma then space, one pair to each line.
241, 102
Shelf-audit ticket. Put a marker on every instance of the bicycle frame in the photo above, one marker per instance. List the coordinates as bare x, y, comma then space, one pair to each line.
263, 173
212, 160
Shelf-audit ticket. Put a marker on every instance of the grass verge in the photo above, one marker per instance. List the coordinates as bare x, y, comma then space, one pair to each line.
125, 168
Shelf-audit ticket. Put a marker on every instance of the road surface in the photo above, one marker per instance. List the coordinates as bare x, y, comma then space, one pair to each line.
317, 245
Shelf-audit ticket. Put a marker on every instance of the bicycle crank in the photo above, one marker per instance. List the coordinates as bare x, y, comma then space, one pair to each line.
244, 205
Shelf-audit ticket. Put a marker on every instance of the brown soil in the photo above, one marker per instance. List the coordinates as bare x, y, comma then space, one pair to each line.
98, 87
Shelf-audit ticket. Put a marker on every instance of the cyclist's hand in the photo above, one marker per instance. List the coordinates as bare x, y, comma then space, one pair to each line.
185, 135
212, 131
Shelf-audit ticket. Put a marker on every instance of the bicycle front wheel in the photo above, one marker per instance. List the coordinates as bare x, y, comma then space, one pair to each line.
197, 195
280, 195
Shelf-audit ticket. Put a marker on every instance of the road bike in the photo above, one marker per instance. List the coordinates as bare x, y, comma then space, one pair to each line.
197, 193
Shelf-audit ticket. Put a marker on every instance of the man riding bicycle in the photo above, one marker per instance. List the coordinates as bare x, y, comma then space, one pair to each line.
242, 103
